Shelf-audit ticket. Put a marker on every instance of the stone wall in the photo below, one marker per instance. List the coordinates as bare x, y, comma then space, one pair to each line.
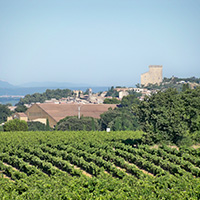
153, 76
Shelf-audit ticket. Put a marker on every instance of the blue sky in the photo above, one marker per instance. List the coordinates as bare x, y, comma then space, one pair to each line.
98, 42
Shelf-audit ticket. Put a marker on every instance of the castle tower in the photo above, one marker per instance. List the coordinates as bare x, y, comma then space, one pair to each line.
153, 76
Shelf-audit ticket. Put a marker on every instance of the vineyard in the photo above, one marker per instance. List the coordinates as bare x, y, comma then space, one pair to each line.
94, 165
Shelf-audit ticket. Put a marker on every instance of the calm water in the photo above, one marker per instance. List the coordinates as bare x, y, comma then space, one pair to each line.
24, 91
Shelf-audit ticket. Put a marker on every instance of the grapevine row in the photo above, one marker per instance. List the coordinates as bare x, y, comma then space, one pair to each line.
67, 152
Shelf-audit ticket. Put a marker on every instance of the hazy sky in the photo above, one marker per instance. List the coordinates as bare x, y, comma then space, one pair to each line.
98, 42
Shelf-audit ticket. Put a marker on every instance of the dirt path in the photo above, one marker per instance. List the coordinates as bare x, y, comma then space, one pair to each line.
83, 172
10, 166
5, 176
196, 146
144, 171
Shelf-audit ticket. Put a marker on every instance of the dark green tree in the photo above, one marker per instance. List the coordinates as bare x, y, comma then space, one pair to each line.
137, 85
47, 125
169, 116
93, 125
36, 126
129, 100
49, 94
119, 119
86, 92
122, 117
107, 117
112, 101
21, 108
76, 124
4, 113
112, 92
191, 104
185, 87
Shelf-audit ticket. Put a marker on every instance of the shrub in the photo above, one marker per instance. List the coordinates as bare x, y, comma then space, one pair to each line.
15, 125
75, 124
185, 141
36, 126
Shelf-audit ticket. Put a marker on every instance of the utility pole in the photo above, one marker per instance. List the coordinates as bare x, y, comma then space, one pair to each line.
79, 112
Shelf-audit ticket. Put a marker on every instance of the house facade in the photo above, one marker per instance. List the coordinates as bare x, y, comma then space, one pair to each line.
20, 116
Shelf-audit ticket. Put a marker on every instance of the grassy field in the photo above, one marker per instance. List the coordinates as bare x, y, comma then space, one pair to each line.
94, 165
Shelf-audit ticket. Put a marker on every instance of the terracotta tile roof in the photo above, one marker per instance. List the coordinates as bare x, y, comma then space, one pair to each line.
60, 111
21, 114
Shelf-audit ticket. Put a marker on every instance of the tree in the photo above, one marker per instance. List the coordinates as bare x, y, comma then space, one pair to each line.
15, 125
119, 119
86, 92
47, 125
137, 85
93, 125
21, 108
49, 94
76, 124
129, 100
158, 116
1, 128
4, 113
185, 87
111, 101
191, 103
36, 126
169, 116
107, 117
112, 92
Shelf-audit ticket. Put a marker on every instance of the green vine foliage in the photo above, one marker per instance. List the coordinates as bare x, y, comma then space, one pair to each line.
94, 165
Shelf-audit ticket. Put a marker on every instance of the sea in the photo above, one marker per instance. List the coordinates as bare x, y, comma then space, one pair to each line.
13, 95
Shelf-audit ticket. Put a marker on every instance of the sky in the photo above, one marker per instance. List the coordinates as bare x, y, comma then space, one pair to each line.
99, 43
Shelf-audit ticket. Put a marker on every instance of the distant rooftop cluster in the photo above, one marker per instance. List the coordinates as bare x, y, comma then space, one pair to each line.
80, 104
90, 104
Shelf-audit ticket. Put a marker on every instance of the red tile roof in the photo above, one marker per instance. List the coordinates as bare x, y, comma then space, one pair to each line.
21, 114
60, 111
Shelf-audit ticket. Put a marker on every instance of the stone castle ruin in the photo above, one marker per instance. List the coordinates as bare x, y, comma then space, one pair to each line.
153, 76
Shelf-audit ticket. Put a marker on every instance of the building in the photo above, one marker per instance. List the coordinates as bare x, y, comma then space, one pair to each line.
20, 116
55, 112
153, 76
77, 92
124, 89
12, 108
123, 94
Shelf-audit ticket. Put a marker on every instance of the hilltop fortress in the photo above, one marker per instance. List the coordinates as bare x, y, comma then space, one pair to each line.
153, 76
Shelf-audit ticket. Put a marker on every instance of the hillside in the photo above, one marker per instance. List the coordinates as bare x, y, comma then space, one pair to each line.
4, 84
175, 82
48, 94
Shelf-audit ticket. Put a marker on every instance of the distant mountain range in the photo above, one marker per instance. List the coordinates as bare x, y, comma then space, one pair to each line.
52, 84
4, 84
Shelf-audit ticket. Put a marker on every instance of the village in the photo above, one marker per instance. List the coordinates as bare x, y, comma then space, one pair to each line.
89, 104
80, 104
